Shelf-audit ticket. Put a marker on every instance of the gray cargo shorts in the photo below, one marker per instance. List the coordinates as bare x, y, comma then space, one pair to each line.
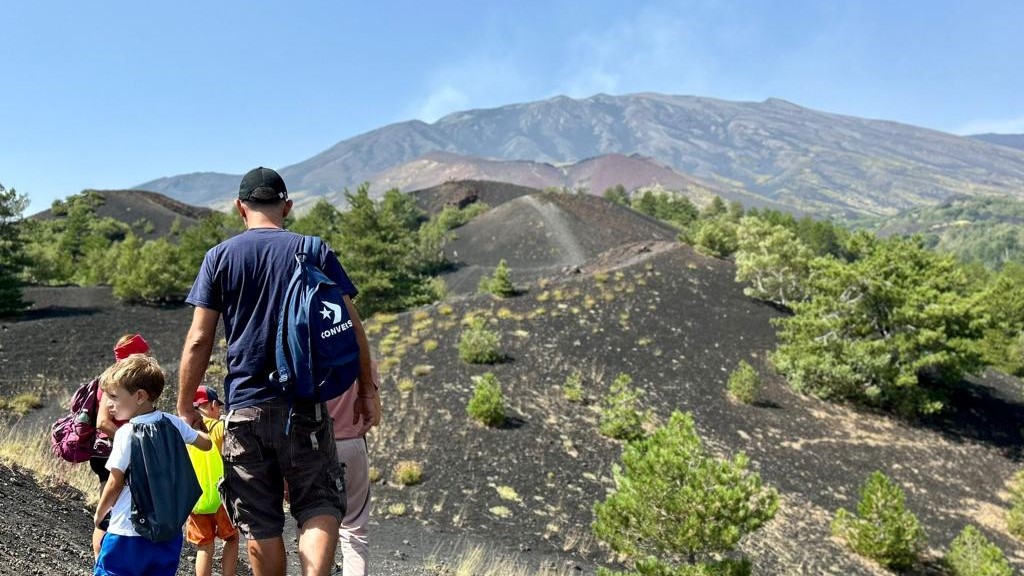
259, 458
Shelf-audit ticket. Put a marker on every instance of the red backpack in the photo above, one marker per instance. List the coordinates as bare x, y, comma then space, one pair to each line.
72, 437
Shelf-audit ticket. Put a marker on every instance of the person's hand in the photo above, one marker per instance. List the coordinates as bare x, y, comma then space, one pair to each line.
191, 416
367, 408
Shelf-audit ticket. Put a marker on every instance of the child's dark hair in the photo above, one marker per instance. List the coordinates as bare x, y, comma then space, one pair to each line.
136, 372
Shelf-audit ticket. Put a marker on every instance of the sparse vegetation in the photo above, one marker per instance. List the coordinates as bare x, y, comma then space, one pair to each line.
508, 493
422, 370
487, 405
478, 344
621, 417
573, 387
408, 473
744, 383
406, 385
429, 345
971, 554
674, 505
21, 404
32, 452
1015, 515
882, 529
397, 509
499, 284
500, 511
479, 561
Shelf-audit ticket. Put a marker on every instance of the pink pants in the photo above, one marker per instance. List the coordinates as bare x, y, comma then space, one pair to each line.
354, 527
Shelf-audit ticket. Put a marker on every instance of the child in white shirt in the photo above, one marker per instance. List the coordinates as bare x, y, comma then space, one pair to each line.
130, 389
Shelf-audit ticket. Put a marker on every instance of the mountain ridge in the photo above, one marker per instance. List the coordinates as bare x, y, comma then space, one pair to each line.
780, 152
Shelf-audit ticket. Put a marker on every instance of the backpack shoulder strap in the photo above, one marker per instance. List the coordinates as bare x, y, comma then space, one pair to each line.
311, 246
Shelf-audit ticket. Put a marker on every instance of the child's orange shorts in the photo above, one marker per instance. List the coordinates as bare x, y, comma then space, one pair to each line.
202, 529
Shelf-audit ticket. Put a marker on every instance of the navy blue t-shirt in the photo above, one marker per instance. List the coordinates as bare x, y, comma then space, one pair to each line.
245, 278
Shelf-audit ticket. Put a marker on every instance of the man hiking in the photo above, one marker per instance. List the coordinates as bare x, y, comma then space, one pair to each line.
269, 439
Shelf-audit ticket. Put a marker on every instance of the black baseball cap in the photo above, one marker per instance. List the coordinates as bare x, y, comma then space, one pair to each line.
262, 185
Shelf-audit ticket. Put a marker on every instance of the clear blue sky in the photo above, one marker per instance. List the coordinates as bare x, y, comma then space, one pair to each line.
110, 94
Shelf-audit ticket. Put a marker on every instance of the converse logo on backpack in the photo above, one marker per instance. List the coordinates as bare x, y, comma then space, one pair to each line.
329, 309
336, 330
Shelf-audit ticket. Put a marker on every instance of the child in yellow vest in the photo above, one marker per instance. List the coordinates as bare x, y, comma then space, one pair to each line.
209, 519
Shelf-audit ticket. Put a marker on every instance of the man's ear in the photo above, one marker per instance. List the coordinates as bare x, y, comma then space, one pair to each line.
287, 208
240, 207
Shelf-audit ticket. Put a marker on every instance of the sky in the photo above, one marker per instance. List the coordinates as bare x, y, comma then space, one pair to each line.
112, 94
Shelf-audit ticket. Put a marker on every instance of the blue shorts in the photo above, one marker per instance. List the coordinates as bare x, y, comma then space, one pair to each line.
137, 556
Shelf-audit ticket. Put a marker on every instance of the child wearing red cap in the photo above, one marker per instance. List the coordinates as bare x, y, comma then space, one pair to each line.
209, 519
107, 425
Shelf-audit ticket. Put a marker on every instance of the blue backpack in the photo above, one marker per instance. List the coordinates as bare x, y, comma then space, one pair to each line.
317, 350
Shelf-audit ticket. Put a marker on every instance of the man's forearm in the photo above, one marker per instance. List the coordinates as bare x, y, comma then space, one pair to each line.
195, 355
195, 358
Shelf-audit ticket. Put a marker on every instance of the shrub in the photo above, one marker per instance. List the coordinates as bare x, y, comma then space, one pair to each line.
499, 284
408, 472
487, 405
150, 272
22, 403
716, 237
744, 383
1015, 516
621, 417
573, 387
971, 554
478, 344
883, 529
406, 385
673, 499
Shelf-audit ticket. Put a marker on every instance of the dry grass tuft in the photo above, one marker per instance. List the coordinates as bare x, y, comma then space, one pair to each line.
32, 452
22, 403
408, 472
478, 561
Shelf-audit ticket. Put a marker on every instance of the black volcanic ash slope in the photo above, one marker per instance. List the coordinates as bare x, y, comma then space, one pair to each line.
677, 323
544, 234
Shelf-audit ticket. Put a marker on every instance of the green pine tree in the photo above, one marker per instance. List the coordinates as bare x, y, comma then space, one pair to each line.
675, 504
378, 249
891, 328
971, 554
501, 284
12, 251
775, 263
882, 529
